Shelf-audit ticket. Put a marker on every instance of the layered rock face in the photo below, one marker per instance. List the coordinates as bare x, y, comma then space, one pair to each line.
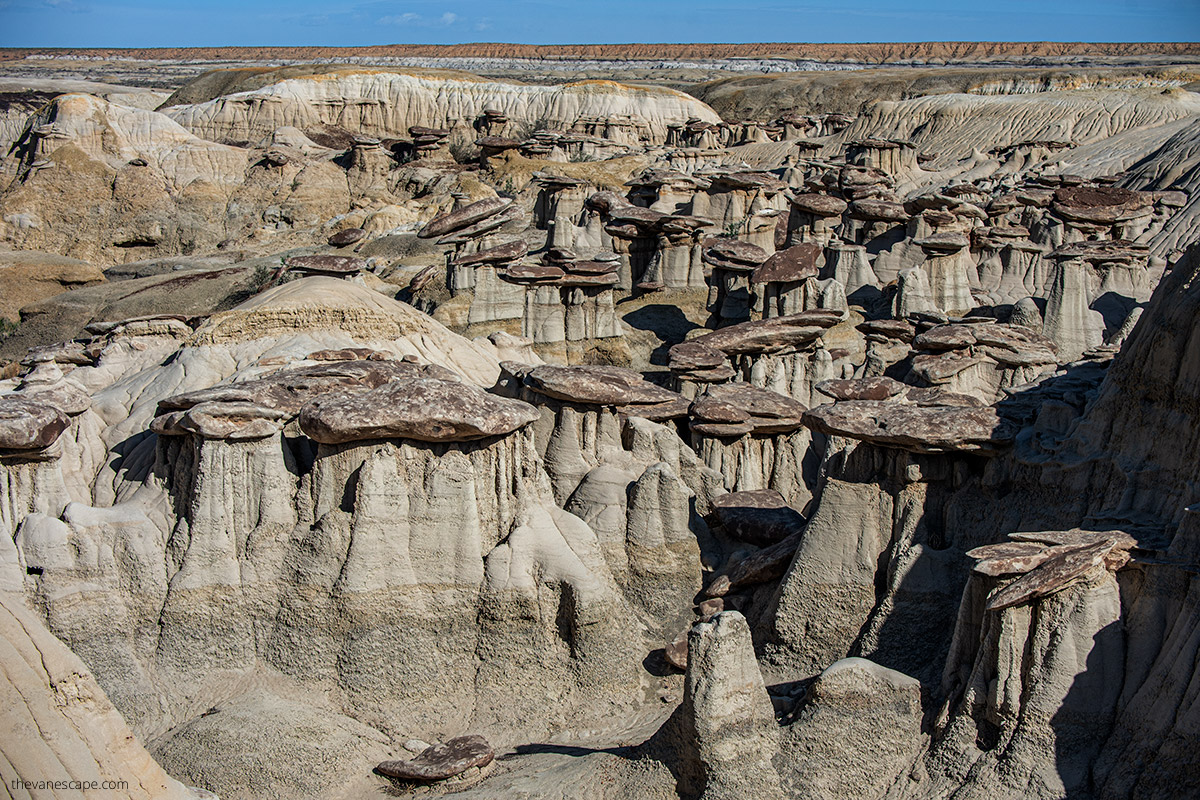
387, 104
61, 727
398, 508
432, 434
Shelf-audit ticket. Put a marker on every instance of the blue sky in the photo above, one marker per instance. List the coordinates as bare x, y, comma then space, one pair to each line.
164, 23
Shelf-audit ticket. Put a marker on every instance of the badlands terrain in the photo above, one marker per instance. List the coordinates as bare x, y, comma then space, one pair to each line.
777, 422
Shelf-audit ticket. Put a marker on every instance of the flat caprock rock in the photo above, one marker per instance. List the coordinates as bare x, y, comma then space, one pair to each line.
920, 429
763, 411
695, 356
1054, 575
820, 205
290, 389
422, 409
230, 421
509, 251
873, 388
1075, 537
29, 425
1100, 204
259, 408
772, 335
792, 265
442, 761
601, 386
327, 265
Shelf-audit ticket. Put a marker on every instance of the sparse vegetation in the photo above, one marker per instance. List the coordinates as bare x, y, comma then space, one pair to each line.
509, 189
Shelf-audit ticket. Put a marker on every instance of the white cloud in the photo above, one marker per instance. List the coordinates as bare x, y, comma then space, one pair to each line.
417, 20
400, 19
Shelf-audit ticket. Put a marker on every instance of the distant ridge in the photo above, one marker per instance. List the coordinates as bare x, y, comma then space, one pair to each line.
866, 53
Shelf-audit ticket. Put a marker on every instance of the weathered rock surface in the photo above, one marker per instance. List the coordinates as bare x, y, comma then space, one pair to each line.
882, 410
919, 428
759, 517
442, 761
26, 424
59, 725
422, 409
858, 731
734, 730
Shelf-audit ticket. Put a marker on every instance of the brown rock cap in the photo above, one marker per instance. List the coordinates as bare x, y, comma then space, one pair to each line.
509, 251
876, 388
1053, 575
422, 409
772, 335
27, 424
1100, 204
601, 386
760, 517
721, 251
761, 411
694, 355
327, 265
913, 427
347, 237
789, 266
820, 205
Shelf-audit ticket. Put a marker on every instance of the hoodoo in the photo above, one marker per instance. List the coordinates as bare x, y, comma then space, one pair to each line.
685, 422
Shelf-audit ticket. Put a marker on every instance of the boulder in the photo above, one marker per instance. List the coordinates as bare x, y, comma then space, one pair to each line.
27, 424
347, 237
442, 761
464, 217
760, 517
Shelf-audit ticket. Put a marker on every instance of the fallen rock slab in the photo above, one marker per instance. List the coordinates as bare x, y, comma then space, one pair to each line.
759, 517
442, 761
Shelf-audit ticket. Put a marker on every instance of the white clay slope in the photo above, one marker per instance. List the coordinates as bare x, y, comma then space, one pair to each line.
954, 125
387, 104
